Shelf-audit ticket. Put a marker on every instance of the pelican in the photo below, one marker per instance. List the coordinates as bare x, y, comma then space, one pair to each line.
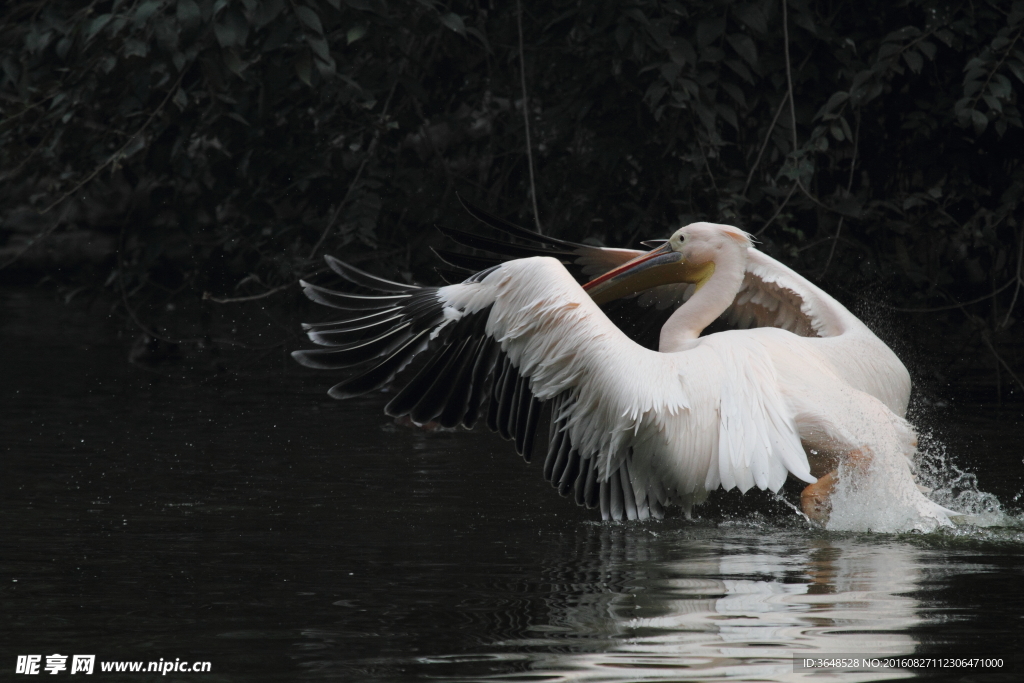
647, 407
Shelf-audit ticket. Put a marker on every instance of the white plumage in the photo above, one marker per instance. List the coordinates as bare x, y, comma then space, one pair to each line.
635, 429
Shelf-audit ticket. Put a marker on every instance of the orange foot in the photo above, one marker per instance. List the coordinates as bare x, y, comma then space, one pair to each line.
815, 500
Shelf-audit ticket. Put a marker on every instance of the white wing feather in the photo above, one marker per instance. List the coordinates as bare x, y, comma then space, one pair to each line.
775, 296
710, 415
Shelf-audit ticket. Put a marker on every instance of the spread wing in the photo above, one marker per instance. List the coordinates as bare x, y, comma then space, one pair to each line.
772, 294
583, 261
630, 430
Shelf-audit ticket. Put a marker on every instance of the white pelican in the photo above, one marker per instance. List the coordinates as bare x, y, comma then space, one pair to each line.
637, 424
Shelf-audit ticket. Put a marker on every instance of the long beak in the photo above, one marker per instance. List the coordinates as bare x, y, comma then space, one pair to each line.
641, 273
661, 266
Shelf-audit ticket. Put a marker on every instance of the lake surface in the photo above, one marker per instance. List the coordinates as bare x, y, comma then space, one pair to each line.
246, 519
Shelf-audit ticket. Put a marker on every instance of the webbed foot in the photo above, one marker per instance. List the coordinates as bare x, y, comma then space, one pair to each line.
815, 500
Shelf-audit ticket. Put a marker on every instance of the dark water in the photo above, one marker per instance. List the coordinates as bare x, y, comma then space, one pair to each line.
250, 521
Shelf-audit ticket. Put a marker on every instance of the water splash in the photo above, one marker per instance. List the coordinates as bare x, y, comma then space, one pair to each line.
954, 488
882, 499
888, 499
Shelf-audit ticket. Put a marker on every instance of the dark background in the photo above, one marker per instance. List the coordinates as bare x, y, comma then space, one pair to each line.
182, 163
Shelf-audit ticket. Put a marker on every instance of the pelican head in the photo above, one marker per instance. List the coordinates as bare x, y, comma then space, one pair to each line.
689, 255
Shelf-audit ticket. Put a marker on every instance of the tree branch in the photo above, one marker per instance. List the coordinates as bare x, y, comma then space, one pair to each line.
359, 173
789, 73
849, 186
526, 115
113, 157
777, 211
764, 146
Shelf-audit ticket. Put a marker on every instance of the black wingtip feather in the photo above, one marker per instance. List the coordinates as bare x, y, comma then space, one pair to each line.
364, 279
486, 244
378, 375
462, 385
511, 228
465, 262
484, 367
434, 399
336, 358
349, 302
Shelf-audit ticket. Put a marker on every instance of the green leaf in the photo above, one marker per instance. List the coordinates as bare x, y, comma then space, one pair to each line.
560, 18
961, 110
233, 62
107, 63
736, 93
304, 68
63, 47
137, 144
902, 34
97, 25
375, 6
636, 14
133, 47
744, 46
1017, 69
12, 69
888, 50
232, 29
1000, 86
741, 69
188, 13
752, 16
946, 37
146, 10
310, 19
1016, 14
706, 115
327, 69
914, 60
833, 102
454, 22
181, 99
354, 34
708, 30
979, 120
993, 103
727, 113
266, 12
320, 48
479, 36
622, 34
654, 93
670, 72
846, 128
972, 87
873, 91
806, 21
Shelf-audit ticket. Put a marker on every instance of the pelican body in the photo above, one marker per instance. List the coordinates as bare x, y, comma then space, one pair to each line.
643, 417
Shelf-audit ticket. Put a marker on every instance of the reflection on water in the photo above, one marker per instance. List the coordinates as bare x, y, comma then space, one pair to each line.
252, 522
718, 601
741, 607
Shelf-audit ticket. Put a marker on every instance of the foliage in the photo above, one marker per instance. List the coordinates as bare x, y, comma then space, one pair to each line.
224, 145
